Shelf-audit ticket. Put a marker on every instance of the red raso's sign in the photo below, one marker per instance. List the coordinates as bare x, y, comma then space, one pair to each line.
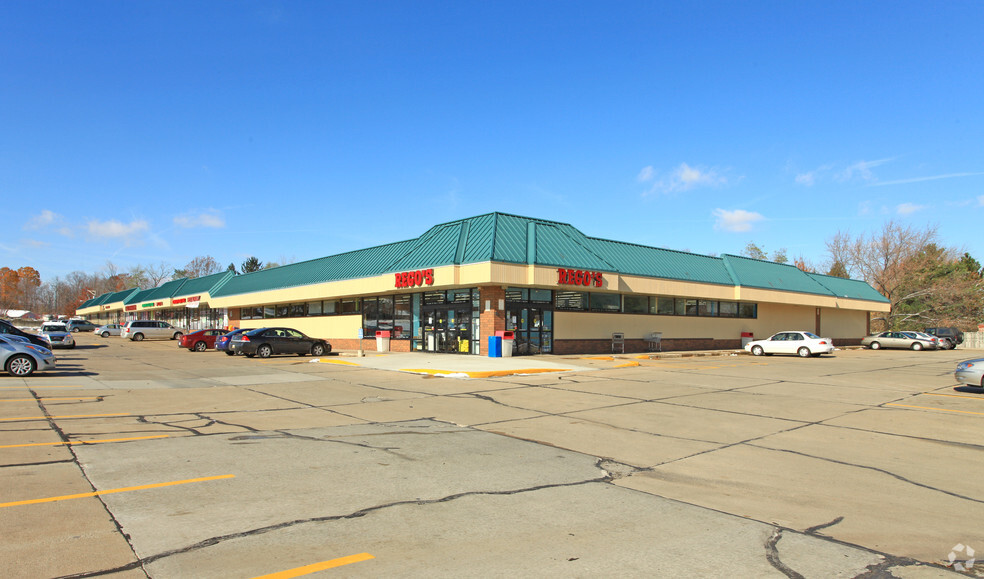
417, 278
578, 277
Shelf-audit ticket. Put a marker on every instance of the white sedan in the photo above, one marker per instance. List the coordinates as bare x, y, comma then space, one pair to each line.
803, 344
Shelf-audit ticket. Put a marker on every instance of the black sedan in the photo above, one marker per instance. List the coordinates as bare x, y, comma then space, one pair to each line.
264, 342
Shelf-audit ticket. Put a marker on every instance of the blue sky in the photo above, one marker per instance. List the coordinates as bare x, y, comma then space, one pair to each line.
148, 132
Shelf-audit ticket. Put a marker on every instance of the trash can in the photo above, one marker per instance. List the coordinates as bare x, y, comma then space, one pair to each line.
508, 338
495, 346
383, 340
746, 337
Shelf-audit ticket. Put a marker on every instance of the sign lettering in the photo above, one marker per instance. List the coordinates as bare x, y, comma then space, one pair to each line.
579, 277
418, 278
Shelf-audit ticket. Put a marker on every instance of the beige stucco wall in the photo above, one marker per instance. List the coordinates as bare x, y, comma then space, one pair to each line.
326, 327
772, 318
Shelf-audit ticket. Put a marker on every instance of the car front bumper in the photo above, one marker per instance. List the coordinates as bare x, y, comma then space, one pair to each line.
969, 376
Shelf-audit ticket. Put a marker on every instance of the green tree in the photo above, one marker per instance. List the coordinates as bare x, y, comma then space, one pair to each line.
251, 264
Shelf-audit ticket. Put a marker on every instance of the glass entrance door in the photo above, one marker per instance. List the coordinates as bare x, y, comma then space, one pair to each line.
533, 327
447, 329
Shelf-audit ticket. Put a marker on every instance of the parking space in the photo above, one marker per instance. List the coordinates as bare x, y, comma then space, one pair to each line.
140, 459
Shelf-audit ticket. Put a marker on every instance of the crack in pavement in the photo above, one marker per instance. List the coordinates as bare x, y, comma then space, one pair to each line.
141, 562
772, 555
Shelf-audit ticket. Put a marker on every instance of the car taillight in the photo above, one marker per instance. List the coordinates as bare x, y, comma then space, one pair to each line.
823, 342
244, 338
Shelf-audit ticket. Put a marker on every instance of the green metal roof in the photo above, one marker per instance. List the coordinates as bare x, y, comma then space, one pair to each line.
206, 283
119, 296
502, 237
157, 293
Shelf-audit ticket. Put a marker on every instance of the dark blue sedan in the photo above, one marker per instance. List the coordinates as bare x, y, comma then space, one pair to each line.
222, 342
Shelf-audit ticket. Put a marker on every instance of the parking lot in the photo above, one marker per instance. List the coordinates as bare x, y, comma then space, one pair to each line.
140, 459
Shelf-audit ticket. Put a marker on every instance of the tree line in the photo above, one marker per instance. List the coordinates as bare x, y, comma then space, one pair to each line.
927, 285
22, 288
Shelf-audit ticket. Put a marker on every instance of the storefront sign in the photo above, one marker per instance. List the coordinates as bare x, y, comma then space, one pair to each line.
130, 308
178, 301
578, 277
417, 278
151, 304
186, 300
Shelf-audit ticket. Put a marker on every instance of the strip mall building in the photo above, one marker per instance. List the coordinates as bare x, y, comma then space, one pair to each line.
557, 289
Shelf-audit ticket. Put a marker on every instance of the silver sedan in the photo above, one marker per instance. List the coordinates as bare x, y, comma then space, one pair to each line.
23, 359
903, 340
970, 372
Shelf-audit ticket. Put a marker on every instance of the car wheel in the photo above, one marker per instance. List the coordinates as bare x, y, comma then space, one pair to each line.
264, 351
200, 346
803, 352
105, 334
177, 336
75, 330
875, 346
916, 346
757, 350
137, 337
228, 353
318, 350
20, 365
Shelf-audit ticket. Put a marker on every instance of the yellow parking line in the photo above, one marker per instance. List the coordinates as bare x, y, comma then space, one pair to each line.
314, 568
490, 374
32, 386
627, 365
342, 362
70, 442
931, 408
45, 398
65, 416
605, 358
954, 396
112, 491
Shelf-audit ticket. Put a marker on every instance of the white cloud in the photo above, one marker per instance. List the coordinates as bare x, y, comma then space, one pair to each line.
737, 220
47, 217
861, 170
980, 200
113, 229
683, 178
807, 179
208, 218
909, 208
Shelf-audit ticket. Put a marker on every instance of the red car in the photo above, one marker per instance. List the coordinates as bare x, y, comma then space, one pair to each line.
201, 340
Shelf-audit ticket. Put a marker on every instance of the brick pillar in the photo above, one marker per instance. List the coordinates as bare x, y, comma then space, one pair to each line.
491, 319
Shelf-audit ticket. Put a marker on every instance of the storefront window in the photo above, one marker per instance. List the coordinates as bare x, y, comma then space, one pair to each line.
728, 309
572, 301
349, 306
747, 310
516, 294
269, 312
283, 310
298, 310
706, 308
636, 305
314, 308
541, 296
691, 307
434, 298
606, 302
402, 316
664, 306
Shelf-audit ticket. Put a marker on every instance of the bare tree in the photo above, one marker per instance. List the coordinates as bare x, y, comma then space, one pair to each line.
158, 274
199, 267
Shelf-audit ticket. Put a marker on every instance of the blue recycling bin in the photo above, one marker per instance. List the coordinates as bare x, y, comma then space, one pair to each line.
495, 346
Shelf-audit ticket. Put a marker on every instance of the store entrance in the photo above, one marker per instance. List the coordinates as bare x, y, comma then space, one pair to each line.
533, 327
447, 328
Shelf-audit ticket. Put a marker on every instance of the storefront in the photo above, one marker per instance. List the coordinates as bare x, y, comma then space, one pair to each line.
557, 289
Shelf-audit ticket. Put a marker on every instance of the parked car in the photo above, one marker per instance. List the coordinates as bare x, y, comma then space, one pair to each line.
929, 338
222, 342
803, 344
902, 340
137, 330
81, 326
108, 330
21, 359
264, 342
949, 337
201, 340
6, 328
57, 335
970, 372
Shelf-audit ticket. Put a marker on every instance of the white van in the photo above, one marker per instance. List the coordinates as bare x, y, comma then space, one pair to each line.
151, 330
